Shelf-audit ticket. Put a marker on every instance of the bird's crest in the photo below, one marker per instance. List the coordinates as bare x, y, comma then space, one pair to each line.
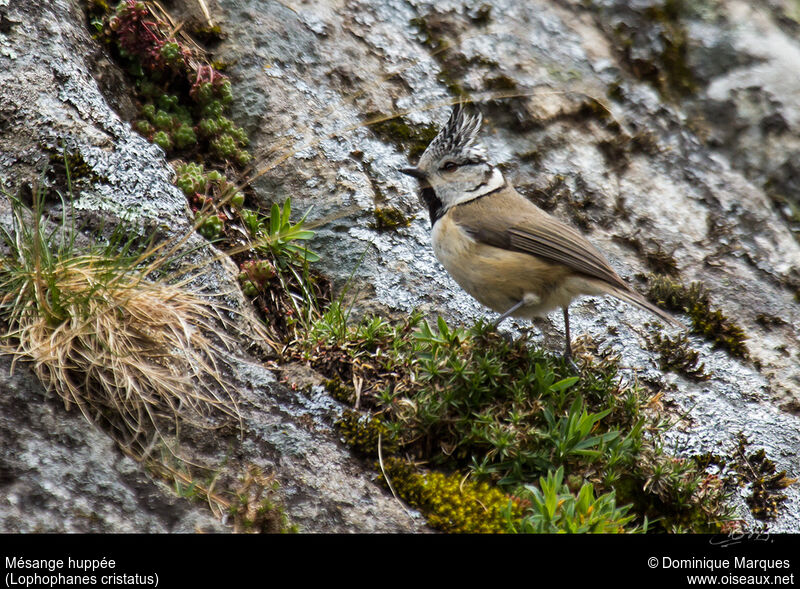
458, 137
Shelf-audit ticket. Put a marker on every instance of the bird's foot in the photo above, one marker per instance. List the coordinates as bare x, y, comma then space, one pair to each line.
571, 363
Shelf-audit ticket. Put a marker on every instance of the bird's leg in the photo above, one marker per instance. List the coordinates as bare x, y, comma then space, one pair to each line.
507, 313
568, 346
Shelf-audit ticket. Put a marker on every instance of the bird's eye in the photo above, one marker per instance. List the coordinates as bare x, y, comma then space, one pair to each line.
449, 166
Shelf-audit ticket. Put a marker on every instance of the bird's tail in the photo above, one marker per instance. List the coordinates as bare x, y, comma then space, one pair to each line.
634, 298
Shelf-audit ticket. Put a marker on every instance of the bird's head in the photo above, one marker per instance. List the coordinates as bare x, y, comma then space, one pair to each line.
455, 164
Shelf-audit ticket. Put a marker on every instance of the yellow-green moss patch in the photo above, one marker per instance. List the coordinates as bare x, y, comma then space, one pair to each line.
707, 321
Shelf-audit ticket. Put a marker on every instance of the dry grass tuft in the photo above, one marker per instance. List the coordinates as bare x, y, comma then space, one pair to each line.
139, 357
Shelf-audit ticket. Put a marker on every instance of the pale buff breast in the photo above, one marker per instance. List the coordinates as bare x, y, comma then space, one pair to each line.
500, 278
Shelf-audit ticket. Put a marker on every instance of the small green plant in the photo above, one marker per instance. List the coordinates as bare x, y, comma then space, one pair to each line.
207, 192
275, 271
256, 507
277, 236
252, 503
255, 276
474, 404
165, 118
331, 328
191, 178
572, 434
209, 226
553, 508
183, 99
506, 401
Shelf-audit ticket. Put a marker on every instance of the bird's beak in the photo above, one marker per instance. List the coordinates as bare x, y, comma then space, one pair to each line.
415, 172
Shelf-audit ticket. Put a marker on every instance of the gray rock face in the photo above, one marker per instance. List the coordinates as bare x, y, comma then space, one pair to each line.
59, 474
652, 128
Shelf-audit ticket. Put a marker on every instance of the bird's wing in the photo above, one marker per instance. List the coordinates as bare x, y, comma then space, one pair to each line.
532, 231
513, 223
560, 243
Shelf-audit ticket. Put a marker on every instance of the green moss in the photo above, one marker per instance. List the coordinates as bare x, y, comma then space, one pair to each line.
406, 136
678, 494
675, 46
100, 6
482, 15
63, 161
763, 478
706, 321
208, 33
389, 218
339, 391
432, 31
456, 89
657, 259
451, 502
430, 39
364, 433
769, 321
756, 472
645, 142
551, 195
500, 82
669, 69
616, 152
786, 201
676, 355
533, 156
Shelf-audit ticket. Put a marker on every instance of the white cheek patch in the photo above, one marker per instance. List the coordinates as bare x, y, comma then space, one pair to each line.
494, 182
